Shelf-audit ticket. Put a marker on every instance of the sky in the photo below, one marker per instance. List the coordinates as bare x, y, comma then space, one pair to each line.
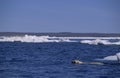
82, 16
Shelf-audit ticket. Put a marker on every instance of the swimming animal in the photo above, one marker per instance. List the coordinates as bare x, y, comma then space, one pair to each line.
80, 62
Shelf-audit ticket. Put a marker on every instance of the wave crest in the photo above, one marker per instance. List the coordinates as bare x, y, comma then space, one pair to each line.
36, 39
100, 41
32, 38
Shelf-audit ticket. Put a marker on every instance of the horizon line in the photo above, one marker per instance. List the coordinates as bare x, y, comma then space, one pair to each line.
62, 32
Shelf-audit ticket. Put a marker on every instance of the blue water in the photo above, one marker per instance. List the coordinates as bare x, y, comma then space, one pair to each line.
53, 60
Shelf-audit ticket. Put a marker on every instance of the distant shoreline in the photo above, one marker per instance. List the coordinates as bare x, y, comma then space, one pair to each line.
61, 34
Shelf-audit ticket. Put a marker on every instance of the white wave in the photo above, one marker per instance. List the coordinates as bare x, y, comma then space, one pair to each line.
30, 38
100, 41
91, 37
34, 38
112, 58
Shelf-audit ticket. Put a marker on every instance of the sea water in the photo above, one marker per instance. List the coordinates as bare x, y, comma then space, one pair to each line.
52, 59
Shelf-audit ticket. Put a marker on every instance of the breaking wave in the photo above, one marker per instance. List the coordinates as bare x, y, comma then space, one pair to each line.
115, 57
85, 40
30, 38
101, 42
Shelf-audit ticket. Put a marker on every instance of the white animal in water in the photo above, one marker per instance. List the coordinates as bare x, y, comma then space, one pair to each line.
108, 58
80, 62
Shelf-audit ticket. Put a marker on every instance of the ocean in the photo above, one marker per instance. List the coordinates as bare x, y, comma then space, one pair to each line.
33, 56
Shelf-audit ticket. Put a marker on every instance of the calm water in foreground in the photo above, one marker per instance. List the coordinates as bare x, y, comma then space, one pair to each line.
53, 60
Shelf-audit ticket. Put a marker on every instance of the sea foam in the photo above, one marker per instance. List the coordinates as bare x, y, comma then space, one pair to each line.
115, 57
33, 38
40, 39
100, 41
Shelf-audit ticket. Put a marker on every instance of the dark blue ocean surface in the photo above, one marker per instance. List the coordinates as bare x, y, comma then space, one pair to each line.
53, 60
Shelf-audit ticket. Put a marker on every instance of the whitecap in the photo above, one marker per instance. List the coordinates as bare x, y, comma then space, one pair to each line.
100, 41
115, 57
36, 39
